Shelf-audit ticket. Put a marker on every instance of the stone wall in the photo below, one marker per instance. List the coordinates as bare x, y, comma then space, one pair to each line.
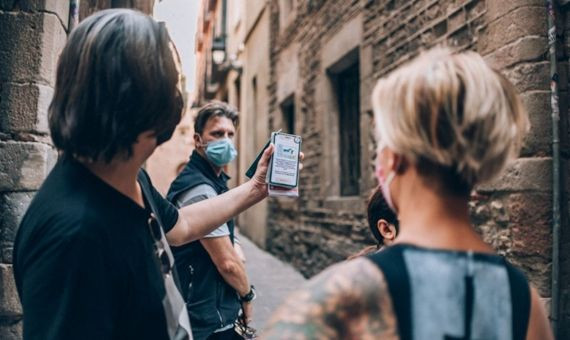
513, 213
563, 23
33, 33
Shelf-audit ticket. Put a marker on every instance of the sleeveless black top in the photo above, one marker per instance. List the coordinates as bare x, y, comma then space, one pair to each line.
441, 294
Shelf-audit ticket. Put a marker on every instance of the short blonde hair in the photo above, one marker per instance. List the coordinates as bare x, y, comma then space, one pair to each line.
452, 111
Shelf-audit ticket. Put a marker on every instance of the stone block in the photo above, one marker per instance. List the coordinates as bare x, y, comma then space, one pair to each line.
531, 217
24, 165
11, 329
524, 174
13, 205
30, 44
348, 38
20, 46
526, 49
530, 76
9, 302
538, 140
23, 107
57, 7
516, 24
497, 9
54, 39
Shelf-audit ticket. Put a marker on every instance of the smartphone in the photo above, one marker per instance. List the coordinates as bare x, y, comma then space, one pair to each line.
253, 167
284, 165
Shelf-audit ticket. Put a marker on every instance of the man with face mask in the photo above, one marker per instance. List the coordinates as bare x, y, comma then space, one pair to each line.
212, 274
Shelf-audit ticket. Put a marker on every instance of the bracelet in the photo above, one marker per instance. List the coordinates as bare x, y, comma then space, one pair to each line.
249, 296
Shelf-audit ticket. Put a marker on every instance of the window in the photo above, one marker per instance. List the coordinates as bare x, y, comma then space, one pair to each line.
288, 114
237, 84
347, 89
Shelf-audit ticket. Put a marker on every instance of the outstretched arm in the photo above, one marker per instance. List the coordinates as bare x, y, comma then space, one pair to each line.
198, 219
347, 301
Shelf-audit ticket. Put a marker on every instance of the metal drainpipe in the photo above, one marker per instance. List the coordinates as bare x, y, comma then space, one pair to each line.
73, 15
556, 218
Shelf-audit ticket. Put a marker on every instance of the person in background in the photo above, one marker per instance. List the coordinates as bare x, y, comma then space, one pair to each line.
220, 286
382, 222
91, 258
445, 122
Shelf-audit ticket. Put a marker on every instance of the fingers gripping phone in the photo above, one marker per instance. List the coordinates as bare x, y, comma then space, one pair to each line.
251, 171
284, 165
253, 167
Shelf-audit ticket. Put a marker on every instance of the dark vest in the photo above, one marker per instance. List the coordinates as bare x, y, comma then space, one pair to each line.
211, 302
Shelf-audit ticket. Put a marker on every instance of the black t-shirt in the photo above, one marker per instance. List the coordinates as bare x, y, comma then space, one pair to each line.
84, 261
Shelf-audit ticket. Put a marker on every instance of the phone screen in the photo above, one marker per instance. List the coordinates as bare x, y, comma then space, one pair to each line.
285, 160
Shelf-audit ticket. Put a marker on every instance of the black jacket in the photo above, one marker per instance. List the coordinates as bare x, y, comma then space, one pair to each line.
211, 302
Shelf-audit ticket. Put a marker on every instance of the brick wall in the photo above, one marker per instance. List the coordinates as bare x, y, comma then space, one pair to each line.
513, 213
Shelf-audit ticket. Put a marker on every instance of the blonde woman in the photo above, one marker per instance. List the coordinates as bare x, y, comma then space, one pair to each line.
445, 122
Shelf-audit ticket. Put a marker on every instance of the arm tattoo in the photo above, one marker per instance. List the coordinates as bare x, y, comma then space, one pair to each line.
347, 301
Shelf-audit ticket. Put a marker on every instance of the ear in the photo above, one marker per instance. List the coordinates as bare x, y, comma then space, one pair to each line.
197, 140
387, 230
390, 160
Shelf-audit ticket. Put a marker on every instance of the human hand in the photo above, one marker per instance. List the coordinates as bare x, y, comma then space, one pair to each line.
247, 310
259, 178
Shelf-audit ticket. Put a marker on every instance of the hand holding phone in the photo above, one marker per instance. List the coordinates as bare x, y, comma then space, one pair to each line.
284, 166
253, 167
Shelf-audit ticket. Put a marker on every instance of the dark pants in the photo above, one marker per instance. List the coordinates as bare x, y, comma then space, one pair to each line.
230, 334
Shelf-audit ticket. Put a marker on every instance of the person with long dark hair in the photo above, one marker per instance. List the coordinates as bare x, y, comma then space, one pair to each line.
91, 257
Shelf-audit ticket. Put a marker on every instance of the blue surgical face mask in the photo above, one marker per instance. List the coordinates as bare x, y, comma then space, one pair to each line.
221, 152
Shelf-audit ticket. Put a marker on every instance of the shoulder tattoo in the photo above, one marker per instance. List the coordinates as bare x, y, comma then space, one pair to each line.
349, 300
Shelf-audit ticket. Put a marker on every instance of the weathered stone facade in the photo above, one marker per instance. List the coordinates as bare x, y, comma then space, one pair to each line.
514, 213
32, 34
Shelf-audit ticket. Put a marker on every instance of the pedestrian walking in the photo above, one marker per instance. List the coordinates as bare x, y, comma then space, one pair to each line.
91, 258
211, 265
444, 123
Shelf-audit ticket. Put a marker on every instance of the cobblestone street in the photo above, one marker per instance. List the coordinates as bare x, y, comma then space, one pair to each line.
273, 279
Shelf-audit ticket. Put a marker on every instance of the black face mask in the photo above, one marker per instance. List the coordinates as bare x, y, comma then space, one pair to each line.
165, 136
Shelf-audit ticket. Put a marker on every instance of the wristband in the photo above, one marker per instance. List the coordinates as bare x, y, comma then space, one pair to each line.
249, 296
